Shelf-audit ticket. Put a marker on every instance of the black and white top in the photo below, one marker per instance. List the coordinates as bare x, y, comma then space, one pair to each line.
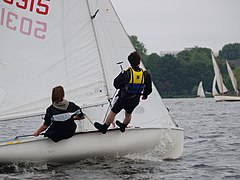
59, 118
55, 115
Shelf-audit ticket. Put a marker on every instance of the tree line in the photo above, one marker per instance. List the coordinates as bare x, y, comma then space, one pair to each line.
178, 75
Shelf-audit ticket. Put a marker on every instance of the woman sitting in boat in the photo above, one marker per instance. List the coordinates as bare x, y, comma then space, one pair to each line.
59, 117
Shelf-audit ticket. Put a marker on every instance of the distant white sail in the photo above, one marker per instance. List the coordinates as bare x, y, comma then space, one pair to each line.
200, 90
221, 87
232, 77
214, 90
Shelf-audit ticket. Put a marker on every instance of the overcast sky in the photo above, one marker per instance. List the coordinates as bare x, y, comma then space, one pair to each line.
172, 25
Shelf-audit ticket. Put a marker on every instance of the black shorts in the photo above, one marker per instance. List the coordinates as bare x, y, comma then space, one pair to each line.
61, 130
126, 103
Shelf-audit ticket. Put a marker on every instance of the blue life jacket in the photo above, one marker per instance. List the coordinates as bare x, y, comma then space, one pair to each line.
136, 82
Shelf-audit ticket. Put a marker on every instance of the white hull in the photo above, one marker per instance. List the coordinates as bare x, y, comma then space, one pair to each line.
95, 144
226, 98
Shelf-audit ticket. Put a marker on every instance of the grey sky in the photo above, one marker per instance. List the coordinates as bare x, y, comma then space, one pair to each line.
172, 25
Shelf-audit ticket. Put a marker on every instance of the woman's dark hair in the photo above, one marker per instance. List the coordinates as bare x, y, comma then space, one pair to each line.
57, 94
134, 58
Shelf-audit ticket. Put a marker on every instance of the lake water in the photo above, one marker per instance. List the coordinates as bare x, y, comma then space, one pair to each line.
211, 150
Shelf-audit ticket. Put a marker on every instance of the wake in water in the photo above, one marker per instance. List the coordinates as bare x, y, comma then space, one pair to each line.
157, 154
28, 170
103, 168
19, 167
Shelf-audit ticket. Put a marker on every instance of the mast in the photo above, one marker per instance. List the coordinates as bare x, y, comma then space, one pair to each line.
98, 47
64, 44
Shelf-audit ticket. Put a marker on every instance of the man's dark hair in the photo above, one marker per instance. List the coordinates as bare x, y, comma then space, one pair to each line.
134, 58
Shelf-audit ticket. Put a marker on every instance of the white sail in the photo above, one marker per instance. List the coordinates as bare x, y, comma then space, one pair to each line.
52, 45
58, 43
232, 77
221, 87
214, 90
200, 91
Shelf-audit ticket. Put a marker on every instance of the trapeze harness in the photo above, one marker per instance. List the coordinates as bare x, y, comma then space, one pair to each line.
136, 82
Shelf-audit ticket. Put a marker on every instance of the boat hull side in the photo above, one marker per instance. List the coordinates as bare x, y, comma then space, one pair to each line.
95, 144
175, 150
226, 98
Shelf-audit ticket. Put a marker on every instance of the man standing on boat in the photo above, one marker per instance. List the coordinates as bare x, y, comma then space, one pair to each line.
131, 83
59, 117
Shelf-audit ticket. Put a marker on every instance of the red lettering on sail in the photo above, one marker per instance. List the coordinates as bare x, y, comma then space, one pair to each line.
24, 25
8, 1
41, 7
10, 20
40, 31
23, 4
2, 16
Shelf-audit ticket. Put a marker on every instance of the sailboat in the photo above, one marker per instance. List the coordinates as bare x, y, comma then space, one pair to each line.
219, 90
200, 91
77, 44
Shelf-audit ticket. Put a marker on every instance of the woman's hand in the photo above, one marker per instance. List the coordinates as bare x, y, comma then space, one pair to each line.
36, 134
78, 117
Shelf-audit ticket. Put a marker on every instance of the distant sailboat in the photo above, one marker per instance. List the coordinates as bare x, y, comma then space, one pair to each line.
221, 93
200, 91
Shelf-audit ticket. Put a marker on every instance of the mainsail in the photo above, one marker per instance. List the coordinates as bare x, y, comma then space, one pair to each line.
200, 91
221, 87
214, 90
76, 44
232, 77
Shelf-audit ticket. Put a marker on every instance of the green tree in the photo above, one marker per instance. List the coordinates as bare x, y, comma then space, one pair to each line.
166, 73
230, 52
196, 54
139, 46
197, 65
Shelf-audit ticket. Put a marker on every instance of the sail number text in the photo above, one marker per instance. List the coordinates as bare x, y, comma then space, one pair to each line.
24, 25
39, 7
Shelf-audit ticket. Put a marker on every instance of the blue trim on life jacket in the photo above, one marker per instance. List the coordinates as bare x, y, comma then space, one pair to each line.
136, 82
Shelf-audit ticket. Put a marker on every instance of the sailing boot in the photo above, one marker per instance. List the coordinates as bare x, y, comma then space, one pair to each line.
121, 125
101, 127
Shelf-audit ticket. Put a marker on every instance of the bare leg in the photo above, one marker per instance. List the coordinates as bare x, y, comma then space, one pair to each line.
110, 118
127, 118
